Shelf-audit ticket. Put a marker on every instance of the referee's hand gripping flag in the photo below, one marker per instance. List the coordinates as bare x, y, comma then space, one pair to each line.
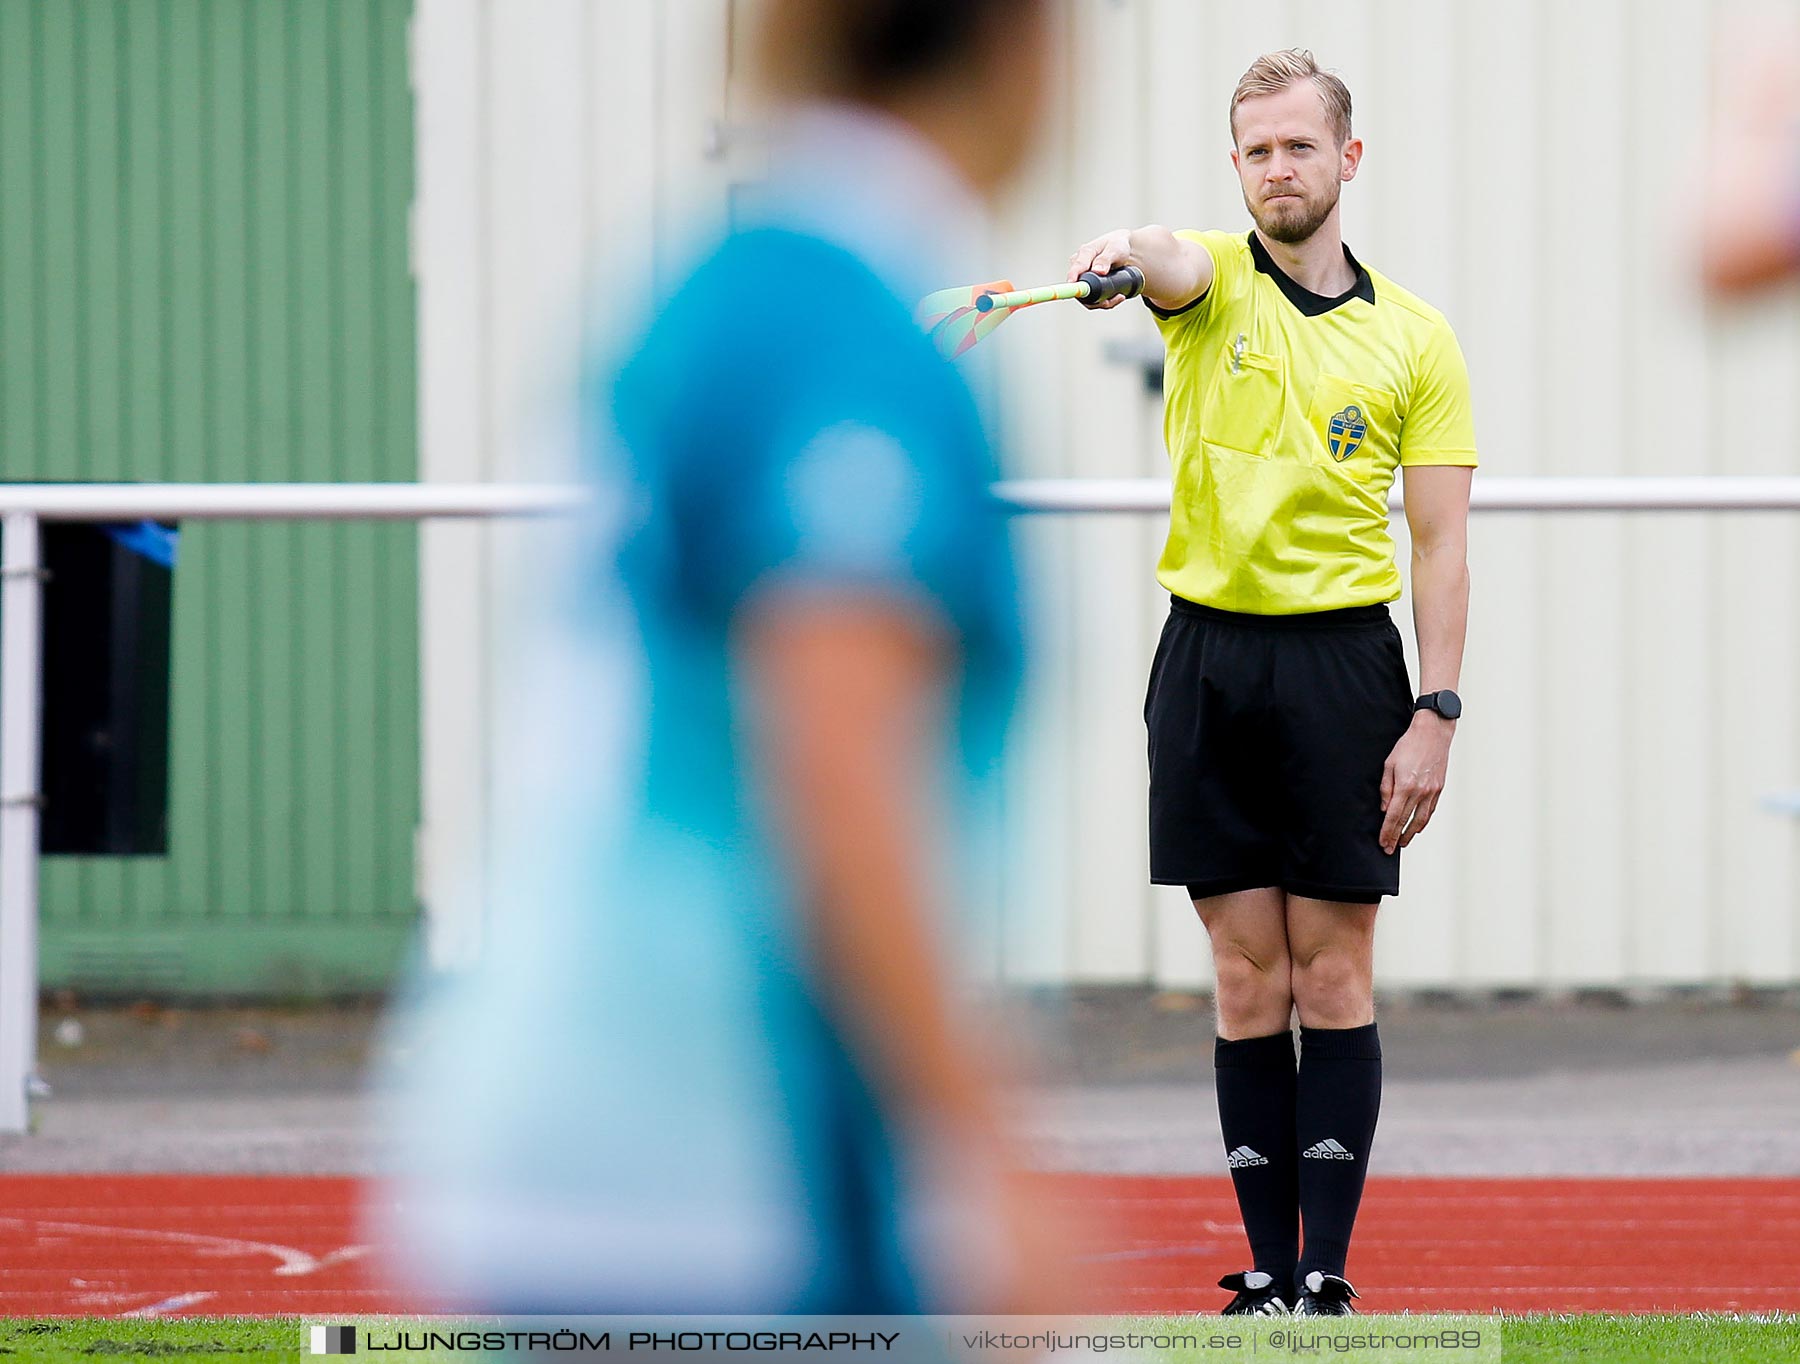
1174, 271
1100, 256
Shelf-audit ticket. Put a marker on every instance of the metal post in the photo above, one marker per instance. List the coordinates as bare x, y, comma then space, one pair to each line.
21, 649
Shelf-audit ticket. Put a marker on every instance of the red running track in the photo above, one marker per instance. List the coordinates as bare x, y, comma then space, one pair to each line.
259, 1245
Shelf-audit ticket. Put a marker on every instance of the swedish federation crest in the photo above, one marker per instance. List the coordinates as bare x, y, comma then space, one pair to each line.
1345, 434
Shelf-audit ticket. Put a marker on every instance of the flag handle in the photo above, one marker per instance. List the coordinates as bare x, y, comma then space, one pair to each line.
1125, 282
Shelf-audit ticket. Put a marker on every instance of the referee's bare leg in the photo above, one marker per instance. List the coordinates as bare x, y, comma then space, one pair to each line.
1333, 949
1250, 957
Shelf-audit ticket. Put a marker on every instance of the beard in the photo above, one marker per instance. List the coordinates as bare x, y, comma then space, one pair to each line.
1294, 220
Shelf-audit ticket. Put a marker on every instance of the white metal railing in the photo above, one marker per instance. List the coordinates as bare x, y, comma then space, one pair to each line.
426, 501
282, 501
24, 506
1488, 495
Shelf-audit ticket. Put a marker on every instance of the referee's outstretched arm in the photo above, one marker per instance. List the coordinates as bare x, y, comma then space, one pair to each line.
1176, 271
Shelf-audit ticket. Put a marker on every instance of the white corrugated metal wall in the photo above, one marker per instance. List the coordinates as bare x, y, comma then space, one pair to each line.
1530, 169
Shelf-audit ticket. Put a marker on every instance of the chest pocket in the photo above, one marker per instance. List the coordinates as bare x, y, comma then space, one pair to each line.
1355, 424
1245, 405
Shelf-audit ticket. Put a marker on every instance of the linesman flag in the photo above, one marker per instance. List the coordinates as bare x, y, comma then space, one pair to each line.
958, 318
954, 319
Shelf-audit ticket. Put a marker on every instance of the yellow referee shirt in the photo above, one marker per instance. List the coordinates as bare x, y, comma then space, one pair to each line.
1286, 415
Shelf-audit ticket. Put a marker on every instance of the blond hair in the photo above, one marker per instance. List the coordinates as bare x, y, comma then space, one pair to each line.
1274, 72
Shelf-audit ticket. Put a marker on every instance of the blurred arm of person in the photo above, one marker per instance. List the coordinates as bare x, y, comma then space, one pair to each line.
1176, 271
850, 692
1750, 223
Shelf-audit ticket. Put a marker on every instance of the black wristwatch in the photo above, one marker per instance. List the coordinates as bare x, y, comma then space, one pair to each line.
1446, 703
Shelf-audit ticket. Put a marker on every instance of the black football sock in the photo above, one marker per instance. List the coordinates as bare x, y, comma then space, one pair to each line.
1255, 1079
1339, 1101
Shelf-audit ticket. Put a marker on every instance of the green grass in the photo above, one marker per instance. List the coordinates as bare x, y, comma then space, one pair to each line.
1543, 1337
1533, 1339
202, 1340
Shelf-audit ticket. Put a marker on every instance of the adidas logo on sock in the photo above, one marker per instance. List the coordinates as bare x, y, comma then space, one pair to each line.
1329, 1149
1245, 1156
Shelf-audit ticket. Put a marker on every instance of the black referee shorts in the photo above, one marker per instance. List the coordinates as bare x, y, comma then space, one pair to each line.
1268, 735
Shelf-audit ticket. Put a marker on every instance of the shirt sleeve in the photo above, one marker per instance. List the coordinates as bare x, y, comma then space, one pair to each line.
1169, 323
866, 475
850, 499
774, 454
1439, 427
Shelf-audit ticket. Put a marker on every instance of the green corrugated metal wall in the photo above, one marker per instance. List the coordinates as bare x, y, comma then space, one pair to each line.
204, 276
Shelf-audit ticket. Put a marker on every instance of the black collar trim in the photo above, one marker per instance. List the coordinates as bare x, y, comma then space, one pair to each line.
1309, 303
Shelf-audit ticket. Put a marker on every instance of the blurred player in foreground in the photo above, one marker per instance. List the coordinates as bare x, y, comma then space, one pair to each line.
711, 1060
1290, 761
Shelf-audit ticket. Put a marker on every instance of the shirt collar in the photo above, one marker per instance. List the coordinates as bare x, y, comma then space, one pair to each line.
1309, 303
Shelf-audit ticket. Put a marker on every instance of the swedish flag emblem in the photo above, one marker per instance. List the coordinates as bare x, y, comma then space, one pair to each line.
1346, 433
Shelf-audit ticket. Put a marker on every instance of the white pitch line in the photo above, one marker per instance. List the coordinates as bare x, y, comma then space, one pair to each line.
174, 1304
1150, 1253
342, 1255
293, 1262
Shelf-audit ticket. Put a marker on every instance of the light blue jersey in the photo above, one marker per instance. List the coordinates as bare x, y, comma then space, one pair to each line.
639, 1101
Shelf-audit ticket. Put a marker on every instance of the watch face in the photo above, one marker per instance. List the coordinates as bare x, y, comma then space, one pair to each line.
1449, 705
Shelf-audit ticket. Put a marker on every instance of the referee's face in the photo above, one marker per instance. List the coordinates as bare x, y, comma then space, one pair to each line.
1290, 163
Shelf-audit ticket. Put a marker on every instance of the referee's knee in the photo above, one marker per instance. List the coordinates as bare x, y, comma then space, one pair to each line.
1255, 995
1334, 989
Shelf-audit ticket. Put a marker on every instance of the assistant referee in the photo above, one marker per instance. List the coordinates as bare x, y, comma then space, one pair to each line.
1290, 759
